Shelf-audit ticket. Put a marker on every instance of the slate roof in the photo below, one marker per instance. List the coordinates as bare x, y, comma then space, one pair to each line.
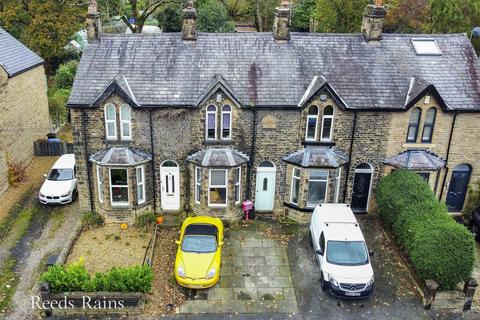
16, 58
163, 70
317, 157
419, 160
123, 156
218, 157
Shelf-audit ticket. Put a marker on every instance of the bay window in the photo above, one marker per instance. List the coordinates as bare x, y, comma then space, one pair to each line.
237, 182
140, 173
295, 190
211, 123
110, 122
327, 124
198, 183
317, 187
125, 122
217, 195
312, 120
119, 187
428, 125
226, 122
413, 125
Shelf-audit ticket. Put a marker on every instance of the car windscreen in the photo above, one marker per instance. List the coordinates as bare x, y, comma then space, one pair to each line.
199, 244
60, 174
347, 253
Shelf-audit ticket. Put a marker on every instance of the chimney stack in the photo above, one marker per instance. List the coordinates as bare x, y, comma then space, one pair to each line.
189, 26
281, 24
94, 25
373, 18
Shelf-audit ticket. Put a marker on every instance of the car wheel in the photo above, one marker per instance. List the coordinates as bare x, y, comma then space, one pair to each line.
310, 238
322, 282
476, 231
74, 195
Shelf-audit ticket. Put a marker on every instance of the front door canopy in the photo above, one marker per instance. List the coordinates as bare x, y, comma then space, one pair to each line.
417, 160
317, 157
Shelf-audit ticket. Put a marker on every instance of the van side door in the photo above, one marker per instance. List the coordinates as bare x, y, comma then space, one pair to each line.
321, 248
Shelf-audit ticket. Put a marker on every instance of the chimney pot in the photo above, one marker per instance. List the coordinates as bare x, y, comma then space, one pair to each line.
93, 22
373, 19
281, 24
189, 26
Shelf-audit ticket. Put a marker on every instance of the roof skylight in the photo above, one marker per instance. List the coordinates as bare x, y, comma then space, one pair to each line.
425, 47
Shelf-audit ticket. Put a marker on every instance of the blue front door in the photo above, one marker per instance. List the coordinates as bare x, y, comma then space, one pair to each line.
457, 189
265, 191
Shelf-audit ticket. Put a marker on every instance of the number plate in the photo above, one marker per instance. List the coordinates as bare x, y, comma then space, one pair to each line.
352, 294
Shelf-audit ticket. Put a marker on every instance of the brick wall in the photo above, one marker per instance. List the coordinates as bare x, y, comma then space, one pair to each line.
24, 116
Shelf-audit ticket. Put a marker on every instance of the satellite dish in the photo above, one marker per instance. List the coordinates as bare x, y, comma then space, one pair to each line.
475, 33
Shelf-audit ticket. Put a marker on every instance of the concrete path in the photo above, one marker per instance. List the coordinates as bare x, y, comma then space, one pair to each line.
255, 278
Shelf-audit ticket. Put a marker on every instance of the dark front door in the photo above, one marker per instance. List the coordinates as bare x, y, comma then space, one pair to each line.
361, 190
457, 188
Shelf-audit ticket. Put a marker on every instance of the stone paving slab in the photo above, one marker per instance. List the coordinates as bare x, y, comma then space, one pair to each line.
254, 278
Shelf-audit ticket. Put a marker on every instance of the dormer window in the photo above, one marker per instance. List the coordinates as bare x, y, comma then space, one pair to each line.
413, 125
327, 124
125, 122
426, 47
110, 122
312, 120
211, 126
428, 125
226, 122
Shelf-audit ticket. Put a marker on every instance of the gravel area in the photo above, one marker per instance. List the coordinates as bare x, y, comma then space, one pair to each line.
30, 269
109, 246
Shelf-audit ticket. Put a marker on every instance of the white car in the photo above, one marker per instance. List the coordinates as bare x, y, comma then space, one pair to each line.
60, 187
341, 251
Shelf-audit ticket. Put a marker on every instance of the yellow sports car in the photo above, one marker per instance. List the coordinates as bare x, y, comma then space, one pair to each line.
199, 252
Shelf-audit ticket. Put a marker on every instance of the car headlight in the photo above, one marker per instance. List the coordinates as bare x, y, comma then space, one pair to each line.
211, 273
333, 281
370, 282
181, 272
66, 194
42, 195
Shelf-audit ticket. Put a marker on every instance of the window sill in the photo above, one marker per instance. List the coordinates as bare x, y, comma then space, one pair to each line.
120, 206
410, 145
217, 142
317, 143
218, 206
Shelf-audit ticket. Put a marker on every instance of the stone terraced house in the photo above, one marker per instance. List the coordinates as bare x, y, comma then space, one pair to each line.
198, 122
24, 113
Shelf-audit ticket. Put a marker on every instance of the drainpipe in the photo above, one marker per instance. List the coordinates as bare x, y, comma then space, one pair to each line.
350, 155
85, 146
152, 152
448, 154
252, 153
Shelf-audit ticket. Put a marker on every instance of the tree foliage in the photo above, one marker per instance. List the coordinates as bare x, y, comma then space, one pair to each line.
43, 26
213, 17
65, 74
301, 15
170, 18
343, 16
140, 11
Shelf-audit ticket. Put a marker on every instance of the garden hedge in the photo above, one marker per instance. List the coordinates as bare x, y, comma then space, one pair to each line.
438, 247
74, 277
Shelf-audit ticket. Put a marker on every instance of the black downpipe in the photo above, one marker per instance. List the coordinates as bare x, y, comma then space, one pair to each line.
252, 154
85, 146
448, 154
347, 176
152, 152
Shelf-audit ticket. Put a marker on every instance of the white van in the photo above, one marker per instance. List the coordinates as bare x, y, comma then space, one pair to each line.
341, 251
60, 187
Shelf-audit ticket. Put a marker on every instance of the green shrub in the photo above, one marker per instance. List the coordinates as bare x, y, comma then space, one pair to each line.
74, 277
92, 220
438, 247
144, 219
473, 200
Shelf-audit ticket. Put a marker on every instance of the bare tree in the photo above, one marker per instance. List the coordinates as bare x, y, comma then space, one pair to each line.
140, 15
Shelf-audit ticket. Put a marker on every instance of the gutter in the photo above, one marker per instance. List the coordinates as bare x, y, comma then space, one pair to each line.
152, 152
252, 153
85, 146
347, 176
448, 154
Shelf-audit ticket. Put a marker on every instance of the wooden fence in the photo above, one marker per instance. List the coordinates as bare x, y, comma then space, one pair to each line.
52, 148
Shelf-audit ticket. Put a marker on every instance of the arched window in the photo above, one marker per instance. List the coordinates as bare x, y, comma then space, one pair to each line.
125, 122
110, 122
226, 122
211, 125
312, 119
327, 124
428, 125
413, 125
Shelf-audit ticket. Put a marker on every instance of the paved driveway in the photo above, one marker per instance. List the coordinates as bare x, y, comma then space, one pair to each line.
393, 297
255, 277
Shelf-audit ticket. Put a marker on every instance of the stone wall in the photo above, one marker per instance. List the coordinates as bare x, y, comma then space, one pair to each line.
24, 117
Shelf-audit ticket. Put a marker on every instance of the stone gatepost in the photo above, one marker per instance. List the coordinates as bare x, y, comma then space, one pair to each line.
45, 296
469, 289
431, 288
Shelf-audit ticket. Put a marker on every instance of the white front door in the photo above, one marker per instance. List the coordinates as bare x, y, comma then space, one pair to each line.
170, 185
265, 187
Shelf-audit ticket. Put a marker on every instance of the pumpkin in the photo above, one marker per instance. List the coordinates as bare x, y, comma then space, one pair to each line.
159, 220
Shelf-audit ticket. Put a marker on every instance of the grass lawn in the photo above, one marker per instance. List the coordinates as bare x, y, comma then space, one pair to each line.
108, 246
8, 283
